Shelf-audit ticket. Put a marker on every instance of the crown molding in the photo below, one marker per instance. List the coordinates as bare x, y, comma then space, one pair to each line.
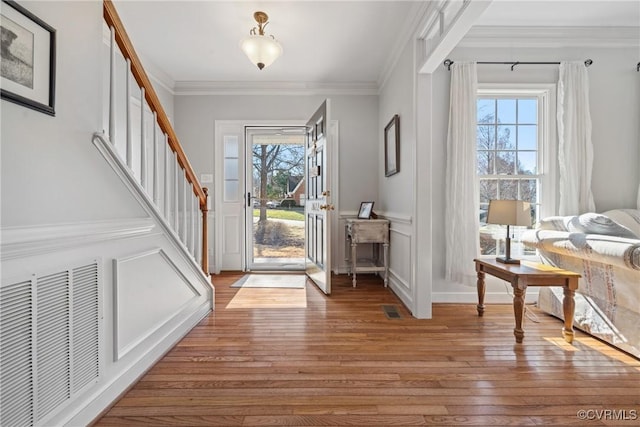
551, 37
189, 88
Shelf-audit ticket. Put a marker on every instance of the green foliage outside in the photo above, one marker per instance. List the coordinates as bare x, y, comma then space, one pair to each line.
281, 214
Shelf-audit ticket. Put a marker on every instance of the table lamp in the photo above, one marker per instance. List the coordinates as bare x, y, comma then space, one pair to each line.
509, 212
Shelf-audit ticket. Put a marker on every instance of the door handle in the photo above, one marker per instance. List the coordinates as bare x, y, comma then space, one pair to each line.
327, 207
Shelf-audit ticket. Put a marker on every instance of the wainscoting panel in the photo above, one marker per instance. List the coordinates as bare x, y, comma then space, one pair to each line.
400, 258
136, 278
231, 256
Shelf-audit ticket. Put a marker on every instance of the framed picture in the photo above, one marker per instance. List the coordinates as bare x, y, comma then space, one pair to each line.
392, 147
28, 59
365, 210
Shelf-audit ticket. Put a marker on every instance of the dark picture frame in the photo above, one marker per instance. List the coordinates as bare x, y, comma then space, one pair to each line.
366, 208
28, 59
392, 147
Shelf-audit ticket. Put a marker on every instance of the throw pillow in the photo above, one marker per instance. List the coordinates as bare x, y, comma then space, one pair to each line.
629, 218
593, 223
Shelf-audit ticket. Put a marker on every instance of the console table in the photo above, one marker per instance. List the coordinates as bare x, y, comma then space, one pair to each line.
375, 231
529, 274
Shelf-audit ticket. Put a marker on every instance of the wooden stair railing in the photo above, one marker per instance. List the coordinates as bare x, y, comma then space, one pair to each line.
120, 37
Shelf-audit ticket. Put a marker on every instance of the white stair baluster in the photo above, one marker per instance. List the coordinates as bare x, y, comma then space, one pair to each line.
143, 144
156, 172
167, 179
176, 194
192, 218
183, 233
128, 117
198, 243
112, 87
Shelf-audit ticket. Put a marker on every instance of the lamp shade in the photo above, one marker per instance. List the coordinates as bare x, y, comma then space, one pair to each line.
261, 50
509, 212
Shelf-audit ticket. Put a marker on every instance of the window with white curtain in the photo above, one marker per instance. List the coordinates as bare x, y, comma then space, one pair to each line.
515, 157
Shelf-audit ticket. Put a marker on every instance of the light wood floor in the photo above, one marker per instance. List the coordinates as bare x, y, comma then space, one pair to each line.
341, 361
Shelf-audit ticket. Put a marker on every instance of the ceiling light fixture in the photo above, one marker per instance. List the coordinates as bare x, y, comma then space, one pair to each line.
262, 50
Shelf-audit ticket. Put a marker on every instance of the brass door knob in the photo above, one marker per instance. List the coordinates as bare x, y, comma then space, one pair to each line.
327, 207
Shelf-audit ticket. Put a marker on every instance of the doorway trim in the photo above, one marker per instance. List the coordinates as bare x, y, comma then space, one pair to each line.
220, 238
216, 234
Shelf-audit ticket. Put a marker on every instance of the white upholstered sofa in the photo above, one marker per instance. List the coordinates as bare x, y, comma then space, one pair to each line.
605, 250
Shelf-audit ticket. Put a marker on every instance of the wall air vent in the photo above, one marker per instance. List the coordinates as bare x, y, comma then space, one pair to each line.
49, 342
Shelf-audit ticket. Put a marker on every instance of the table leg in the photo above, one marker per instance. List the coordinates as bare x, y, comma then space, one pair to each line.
386, 264
481, 289
568, 306
518, 309
354, 261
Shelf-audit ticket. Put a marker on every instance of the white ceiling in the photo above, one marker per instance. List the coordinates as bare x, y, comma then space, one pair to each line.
324, 42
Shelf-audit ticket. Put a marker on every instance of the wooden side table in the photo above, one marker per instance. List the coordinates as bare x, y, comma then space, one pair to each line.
529, 274
367, 231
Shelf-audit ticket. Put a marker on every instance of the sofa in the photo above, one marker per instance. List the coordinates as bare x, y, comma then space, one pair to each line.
605, 249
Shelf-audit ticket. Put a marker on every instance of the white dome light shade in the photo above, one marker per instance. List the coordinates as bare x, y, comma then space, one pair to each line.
261, 50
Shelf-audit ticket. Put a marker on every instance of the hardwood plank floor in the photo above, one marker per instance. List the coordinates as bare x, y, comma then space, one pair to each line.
342, 361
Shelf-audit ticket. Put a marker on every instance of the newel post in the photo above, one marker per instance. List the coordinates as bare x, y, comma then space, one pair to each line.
205, 233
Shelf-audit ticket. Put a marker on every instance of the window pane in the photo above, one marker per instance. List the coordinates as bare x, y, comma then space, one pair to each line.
529, 190
528, 137
230, 146
231, 191
487, 241
508, 189
488, 190
484, 210
506, 138
528, 111
527, 161
230, 168
486, 137
507, 111
486, 111
505, 162
485, 162
535, 214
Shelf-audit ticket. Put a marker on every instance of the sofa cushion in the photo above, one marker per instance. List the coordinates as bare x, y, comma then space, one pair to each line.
594, 223
629, 218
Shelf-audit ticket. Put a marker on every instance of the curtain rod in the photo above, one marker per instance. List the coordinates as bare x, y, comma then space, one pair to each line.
587, 62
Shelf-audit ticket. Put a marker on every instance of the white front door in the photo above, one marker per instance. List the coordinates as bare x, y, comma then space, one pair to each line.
318, 206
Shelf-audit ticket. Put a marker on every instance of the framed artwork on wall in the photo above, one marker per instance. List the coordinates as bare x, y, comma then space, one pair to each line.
28, 59
392, 147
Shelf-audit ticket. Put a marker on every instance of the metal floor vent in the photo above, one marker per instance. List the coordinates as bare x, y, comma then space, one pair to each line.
391, 311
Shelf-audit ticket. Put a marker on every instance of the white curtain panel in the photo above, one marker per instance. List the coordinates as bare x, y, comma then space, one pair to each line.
574, 140
462, 206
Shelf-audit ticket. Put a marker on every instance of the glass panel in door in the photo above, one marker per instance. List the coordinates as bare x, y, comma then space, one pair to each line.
275, 194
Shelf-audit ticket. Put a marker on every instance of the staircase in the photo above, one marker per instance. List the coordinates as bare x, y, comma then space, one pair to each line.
88, 306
